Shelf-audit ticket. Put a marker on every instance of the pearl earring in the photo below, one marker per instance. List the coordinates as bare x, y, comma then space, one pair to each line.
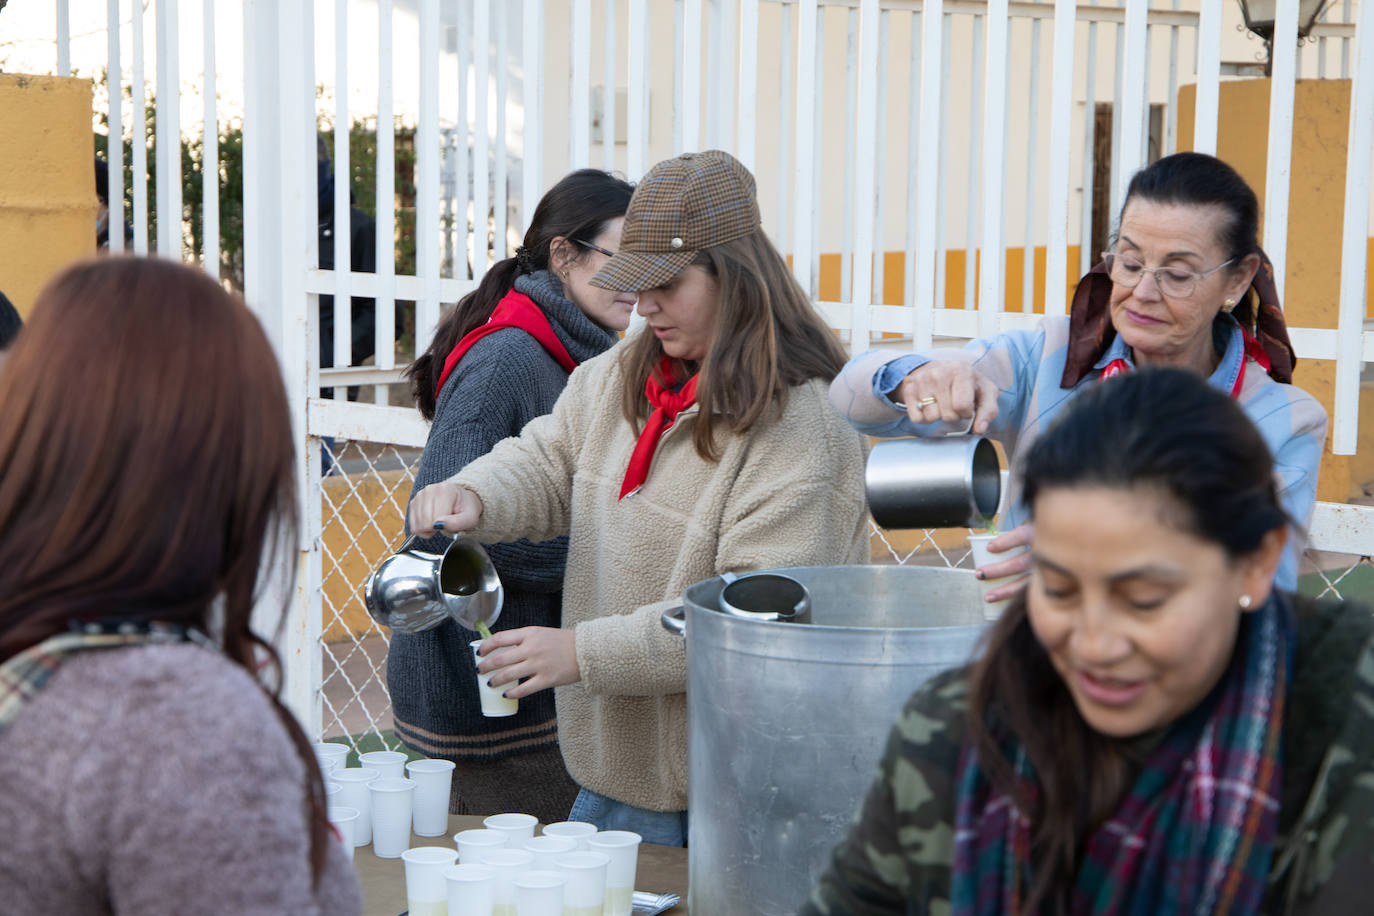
1228, 305
1245, 602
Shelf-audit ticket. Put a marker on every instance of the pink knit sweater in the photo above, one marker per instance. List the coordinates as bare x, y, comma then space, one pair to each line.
157, 780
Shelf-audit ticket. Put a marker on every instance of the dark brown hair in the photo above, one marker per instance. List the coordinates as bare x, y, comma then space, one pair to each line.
768, 338
578, 209
1163, 429
146, 467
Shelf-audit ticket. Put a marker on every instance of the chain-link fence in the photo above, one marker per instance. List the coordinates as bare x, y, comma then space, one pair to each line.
365, 494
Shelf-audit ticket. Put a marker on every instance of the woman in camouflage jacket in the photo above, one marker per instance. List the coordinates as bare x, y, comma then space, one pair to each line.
1152, 728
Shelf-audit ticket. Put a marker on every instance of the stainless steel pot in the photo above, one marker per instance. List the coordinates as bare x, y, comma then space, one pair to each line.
950, 482
786, 721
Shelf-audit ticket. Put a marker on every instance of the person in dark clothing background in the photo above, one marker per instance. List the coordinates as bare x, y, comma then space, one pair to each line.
10, 323
102, 217
362, 230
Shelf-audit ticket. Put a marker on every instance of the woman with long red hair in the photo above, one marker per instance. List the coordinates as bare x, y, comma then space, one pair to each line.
146, 475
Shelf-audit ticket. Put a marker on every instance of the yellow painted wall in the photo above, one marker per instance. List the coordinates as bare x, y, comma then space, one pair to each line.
363, 525
1316, 208
47, 181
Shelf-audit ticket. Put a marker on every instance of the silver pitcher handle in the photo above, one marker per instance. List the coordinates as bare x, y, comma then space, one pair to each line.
674, 620
410, 541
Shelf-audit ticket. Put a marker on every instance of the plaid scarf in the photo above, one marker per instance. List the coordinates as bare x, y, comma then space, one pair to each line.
23, 675
1195, 833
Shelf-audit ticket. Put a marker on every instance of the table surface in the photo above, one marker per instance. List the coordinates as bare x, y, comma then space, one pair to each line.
662, 869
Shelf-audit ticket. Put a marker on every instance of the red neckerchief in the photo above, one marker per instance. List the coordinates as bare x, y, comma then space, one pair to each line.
515, 310
667, 404
1253, 350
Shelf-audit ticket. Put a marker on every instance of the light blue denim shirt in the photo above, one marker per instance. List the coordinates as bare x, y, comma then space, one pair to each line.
1027, 365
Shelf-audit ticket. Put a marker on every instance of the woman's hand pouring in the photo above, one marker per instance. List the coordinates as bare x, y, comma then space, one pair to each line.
543, 656
949, 391
444, 506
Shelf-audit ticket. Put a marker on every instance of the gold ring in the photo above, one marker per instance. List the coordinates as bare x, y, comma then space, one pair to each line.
925, 402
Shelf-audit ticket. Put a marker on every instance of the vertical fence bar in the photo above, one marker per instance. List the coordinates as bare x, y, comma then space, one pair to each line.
851, 130
384, 331
1279, 170
805, 165
465, 224
209, 160
1135, 69
114, 147
691, 76
679, 23
785, 132
1170, 143
746, 136
501, 203
977, 109
928, 173
880, 160
1032, 168
608, 92
343, 181
481, 134
1086, 256
725, 32
990, 278
168, 140
1208, 79
817, 142
941, 199
1061, 111
532, 143
637, 91
580, 132
865, 174
139, 142
1345, 42
1354, 242
913, 159
427, 179
64, 39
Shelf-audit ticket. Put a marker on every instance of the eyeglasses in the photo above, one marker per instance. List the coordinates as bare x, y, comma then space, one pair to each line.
609, 254
1173, 282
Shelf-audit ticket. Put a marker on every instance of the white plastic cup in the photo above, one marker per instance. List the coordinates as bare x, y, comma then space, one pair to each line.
473, 844
622, 847
507, 863
391, 816
354, 781
426, 886
332, 756
391, 764
471, 889
344, 820
539, 893
574, 830
978, 543
494, 705
517, 827
585, 891
331, 789
547, 848
433, 779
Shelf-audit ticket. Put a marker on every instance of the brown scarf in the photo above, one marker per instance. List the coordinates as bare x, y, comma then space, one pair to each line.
1091, 331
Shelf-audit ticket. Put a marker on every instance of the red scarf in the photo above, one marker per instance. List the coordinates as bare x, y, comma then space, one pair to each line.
1253, 350
515, 310
667, 404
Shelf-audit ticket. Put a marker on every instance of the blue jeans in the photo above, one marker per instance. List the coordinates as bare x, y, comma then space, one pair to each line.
666, 828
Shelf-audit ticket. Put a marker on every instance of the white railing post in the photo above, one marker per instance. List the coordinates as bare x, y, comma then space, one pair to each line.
865, 176
384, 324
637, 101
139, 143
209, 149
168, 132
64, 39
342, 344
1208, 79
746, 131
427, 179
928, 158
114, 149
1061, 111
579, 136
1135, 71
990, 274
1278, 171
804, 214
1354, 242
532, 143
691, 42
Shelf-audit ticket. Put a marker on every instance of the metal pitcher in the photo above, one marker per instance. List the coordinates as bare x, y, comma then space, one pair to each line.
949, 482
413, 591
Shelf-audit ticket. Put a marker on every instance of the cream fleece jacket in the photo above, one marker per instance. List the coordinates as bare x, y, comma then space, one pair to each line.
790, 493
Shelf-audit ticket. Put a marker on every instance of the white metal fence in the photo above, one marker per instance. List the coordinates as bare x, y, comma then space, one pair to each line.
919, 128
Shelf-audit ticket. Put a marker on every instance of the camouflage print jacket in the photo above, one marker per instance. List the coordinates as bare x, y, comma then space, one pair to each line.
898, 856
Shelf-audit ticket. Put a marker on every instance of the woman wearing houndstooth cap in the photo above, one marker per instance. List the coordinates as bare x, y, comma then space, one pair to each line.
720, 454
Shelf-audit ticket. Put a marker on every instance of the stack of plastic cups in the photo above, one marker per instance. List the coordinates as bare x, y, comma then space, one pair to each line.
517, 827
473, 844
426, 884
391, 764
622, 848
355, 794
578, 831
507, 863
433, 779
546, 849
331, 756
391, 805
539, 893
584, 894
344, 820
471, 890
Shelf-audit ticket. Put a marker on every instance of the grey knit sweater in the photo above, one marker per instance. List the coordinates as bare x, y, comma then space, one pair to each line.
158, 780
503, 382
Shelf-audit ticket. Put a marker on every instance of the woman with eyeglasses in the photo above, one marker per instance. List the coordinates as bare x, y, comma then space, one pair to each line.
499, 359
1184, 285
